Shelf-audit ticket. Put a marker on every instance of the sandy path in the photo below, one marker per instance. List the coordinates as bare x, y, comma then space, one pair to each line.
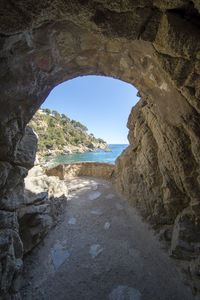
101, 250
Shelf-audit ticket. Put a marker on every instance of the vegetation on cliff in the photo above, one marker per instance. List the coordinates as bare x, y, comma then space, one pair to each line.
56, 131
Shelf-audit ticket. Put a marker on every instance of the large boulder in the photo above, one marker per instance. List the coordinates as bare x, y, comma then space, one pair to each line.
66, 150
45, 199
26, 149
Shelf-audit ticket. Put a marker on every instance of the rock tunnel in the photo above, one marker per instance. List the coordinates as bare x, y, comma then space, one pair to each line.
154, 45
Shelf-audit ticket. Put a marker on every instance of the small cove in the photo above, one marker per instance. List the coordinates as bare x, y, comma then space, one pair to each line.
97, 156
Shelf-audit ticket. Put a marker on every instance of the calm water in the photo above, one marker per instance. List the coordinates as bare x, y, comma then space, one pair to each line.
99, 155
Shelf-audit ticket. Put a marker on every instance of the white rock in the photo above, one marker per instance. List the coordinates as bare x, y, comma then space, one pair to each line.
94, 195
58, 257
80, 151
123, 292
106, 225
36, 162
66, 150
95, 250
72, 221
96, 212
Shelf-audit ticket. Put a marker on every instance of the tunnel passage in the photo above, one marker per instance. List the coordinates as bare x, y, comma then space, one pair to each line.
156, 47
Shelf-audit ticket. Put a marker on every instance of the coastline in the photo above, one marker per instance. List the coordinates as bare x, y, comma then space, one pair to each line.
70, 149
97, 155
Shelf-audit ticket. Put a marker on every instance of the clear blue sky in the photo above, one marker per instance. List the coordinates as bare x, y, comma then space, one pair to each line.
103, 104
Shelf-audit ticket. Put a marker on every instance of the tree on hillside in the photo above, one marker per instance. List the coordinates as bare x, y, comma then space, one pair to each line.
55, 131
47, 111
101, 141
73, 122
79, 125
51, 122
65, 118
56, 114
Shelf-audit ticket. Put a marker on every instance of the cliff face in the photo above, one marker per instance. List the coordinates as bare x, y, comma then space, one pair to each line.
154, 45
159, 171
157, 177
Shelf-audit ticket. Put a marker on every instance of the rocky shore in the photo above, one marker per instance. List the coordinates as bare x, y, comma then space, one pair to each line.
69, 149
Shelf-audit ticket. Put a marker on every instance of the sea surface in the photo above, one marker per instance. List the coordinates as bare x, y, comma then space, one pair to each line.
99, 156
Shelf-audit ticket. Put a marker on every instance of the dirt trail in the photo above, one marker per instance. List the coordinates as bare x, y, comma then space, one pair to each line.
101, 250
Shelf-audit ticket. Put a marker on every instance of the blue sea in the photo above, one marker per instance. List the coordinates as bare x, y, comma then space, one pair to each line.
99, 156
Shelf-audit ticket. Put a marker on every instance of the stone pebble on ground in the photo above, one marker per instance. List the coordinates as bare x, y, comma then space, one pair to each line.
59, 256
95, 250
94, 195
96, 212
106, 225
72, 221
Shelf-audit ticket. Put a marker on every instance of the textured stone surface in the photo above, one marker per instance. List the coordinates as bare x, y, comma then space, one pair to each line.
11, 201
186, 236
92, 169
154, 45
26, 149
158, 174
45, 200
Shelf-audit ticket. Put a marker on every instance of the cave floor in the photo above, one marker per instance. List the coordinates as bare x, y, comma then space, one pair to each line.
100, 250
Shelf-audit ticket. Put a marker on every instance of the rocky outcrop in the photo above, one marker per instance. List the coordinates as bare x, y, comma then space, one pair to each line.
153, 45
25, 154
86, 168
156, 176
12, 199
25, 216
45, 200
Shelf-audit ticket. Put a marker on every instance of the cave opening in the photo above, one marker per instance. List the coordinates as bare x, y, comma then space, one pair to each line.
156, 48
101, 103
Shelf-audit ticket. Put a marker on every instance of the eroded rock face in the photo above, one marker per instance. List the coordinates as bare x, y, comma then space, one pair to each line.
45, 200
12, 199
154, 45
158, 173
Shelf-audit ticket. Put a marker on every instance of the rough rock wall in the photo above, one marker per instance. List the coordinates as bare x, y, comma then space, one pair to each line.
12, 198
27, 211
152, 44
159, 171
45, 199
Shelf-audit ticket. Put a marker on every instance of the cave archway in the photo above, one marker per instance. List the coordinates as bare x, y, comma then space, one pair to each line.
156, 48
